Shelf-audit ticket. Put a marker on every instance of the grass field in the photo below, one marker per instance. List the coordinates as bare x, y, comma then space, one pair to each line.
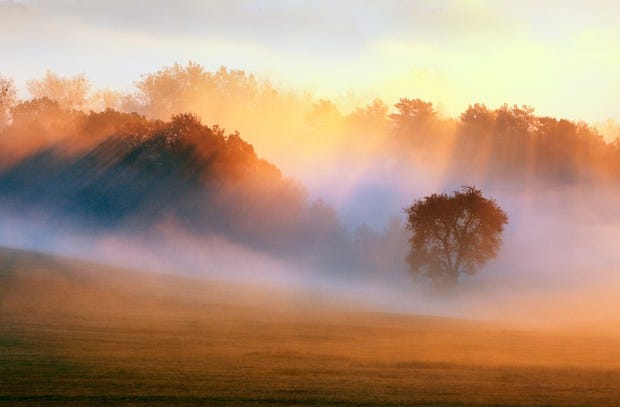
74, 333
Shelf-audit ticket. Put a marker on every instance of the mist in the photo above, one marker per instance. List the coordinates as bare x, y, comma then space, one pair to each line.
324, 211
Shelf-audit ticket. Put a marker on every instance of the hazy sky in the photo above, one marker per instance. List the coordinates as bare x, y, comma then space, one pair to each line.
562, 57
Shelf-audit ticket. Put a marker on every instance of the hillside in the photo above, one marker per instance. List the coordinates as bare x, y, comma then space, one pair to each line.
111, 171
81, 333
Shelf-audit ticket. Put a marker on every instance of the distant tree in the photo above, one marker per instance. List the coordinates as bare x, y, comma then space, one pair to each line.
418, 129
477, 121
413, 115
39, 117
183, 88
8, 98
70, 92
325, 116
102, 100
515, 121
453, 234
475, 142
371, 119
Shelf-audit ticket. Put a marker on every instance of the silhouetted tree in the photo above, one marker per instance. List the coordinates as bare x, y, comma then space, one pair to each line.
414, 116
453, 234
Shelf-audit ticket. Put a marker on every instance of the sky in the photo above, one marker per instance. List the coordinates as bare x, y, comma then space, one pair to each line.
561, 57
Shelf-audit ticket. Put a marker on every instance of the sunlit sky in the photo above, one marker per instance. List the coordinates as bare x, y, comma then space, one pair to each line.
560, 56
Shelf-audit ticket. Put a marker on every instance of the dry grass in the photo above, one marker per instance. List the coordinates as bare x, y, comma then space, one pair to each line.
73, 334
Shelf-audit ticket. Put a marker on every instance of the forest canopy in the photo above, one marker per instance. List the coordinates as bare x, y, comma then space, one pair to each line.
296, 129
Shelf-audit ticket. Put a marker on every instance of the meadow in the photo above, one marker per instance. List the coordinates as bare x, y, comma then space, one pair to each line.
77, 333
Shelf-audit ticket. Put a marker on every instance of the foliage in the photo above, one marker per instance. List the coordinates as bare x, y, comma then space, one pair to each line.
69, 92
8, 96
512, 143
110, 170
179, 88
485, 145
413, 113
453, 234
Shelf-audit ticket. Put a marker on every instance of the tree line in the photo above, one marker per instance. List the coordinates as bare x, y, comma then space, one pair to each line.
487, 145
112, 171
215, 181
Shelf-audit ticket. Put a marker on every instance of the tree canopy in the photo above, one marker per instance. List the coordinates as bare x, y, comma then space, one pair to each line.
69, 92
7, 100
453, 234
484, 145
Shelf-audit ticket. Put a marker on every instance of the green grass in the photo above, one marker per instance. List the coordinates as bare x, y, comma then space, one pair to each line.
80, 334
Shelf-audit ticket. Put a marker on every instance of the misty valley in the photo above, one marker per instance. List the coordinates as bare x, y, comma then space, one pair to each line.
209, 238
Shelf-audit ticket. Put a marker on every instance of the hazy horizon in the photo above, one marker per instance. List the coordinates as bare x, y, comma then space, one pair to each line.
329, 213
452, 52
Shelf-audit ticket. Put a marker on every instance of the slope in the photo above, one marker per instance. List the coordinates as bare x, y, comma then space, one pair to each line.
80, 333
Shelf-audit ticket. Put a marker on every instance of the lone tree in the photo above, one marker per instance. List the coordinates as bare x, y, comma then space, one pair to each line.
453, 234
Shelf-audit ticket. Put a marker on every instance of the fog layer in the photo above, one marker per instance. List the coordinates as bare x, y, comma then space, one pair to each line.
153, 183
